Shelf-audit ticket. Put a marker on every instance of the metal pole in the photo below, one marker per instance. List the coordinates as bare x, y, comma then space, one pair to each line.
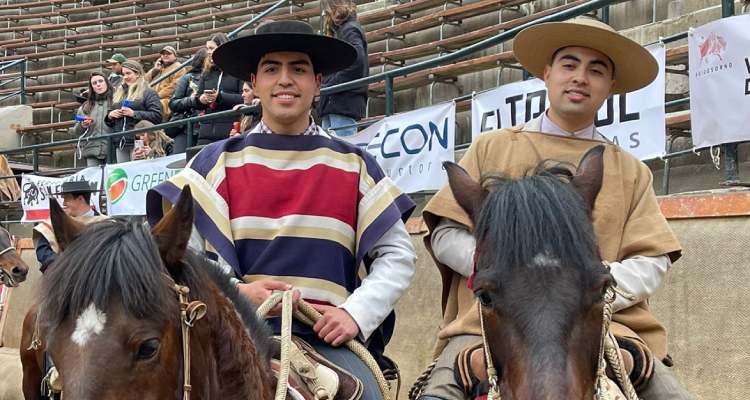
727, 8
605, 14
35, 160
190, 135
388, 95
111, 159
23, 82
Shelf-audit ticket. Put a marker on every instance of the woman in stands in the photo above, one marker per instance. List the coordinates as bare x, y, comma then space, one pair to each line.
248, 121
216, 92
133, 102
344, 109
90, 121
151, 145
184, 100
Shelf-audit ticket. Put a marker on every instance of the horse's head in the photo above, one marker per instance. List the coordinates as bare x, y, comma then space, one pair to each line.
539, 276
110, 316
13, 269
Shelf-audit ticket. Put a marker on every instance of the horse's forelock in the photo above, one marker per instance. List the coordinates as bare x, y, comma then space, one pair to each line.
112, 258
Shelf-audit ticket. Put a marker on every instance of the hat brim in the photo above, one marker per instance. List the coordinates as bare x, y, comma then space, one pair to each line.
240, 57
635, 67
75, 191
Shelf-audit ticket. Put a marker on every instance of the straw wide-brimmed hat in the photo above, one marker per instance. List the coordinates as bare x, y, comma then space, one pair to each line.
240, 57
635, 67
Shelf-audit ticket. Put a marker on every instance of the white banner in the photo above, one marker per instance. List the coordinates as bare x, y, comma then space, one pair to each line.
719, 54
127, 183
411, 147
35, 192
635, 121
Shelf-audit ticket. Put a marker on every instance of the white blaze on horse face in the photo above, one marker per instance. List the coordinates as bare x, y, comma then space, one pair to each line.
89, 323
545, 259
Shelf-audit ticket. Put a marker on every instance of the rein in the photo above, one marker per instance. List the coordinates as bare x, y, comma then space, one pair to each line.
190, 312
609, 351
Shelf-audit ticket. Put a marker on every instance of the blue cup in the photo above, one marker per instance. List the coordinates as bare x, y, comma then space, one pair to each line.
80, 118
126, 103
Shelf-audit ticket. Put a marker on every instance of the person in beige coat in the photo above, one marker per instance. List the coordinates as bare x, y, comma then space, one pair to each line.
165, 64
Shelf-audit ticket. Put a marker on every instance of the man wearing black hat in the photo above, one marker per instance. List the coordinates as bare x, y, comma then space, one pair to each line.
76, 203
287, 206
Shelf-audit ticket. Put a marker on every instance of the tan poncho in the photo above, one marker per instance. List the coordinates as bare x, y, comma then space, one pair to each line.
627, 221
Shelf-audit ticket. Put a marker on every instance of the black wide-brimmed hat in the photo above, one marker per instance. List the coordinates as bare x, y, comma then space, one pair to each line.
240, 57
76, 187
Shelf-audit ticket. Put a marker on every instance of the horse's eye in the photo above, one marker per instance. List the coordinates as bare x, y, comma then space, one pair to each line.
484, 298
148, 349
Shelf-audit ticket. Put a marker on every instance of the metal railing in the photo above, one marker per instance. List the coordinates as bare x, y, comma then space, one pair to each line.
113, 139
21, 78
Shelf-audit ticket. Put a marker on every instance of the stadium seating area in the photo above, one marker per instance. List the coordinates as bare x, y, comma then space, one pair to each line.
63, 40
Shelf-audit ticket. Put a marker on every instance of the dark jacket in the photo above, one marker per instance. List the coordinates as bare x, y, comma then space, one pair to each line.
182, 103
230, 94
148, 108
350, 103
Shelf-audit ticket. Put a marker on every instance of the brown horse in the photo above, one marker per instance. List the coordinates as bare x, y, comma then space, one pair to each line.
111, 320
12, 268
539, 276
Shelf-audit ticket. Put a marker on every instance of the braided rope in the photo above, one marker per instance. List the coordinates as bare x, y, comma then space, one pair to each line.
308, 315
418, 387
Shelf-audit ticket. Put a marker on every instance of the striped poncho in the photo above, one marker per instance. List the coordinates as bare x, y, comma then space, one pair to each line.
302, 209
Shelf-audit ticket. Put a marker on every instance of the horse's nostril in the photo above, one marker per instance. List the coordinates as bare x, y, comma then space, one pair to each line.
18, 271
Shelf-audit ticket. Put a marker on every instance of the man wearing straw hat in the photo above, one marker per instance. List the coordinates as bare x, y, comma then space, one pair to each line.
582, 62
288, 206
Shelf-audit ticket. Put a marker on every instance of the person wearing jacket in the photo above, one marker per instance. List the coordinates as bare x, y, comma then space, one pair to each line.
133, 102
344, 108
166, 63
90, 121
184, 100
217, 91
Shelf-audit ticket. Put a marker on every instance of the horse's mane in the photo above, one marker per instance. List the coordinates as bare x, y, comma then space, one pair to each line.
119, 259
538, 211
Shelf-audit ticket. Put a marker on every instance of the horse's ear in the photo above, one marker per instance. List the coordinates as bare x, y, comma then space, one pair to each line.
588, 178
173, 231
66, 229
468, 193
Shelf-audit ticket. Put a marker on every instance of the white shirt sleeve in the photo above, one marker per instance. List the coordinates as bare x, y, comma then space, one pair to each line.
390, 274
454, 246
640, 276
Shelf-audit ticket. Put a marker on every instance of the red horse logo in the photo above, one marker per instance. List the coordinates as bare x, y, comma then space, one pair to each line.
713, 45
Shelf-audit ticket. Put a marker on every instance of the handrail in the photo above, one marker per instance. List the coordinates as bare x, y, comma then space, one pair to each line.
9, 64
21, 77
231, 35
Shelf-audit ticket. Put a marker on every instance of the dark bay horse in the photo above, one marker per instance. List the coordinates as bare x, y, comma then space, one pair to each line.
111, 322
13, 269
539, 276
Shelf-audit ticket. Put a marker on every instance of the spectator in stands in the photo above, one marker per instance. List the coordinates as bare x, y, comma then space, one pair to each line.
151, 145
184, 100
248, 121
344, 108
90, 121
133, 101
216, 92
77, 204
582, 62
166, 63
115, 65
